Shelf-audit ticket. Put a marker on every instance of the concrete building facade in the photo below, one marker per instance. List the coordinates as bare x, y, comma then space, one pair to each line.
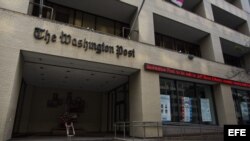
139, 62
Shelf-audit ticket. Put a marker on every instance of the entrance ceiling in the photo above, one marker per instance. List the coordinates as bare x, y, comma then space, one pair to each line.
58, 72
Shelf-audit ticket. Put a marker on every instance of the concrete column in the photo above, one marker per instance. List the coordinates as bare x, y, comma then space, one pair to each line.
144, 99
15, 5
11, 75
146, 26
224, 104
211, 48
243, 4
205, 10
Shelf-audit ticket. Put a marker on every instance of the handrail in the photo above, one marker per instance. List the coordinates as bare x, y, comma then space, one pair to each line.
200, 129
136, 124
38, 4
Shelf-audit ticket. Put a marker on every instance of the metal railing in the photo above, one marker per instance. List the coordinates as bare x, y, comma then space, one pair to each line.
134, 125
41, 9
185, 131
170, 130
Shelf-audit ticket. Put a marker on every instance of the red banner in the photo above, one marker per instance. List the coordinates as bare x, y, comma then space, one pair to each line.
161, 69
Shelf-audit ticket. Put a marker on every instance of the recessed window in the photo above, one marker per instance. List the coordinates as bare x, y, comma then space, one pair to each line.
84, 19
233, 60
177, 45
105, 25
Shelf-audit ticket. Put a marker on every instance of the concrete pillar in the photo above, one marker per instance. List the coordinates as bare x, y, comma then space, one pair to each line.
205, 10
144, 99
15, 5
211, 48
224, 104
146, 26
244, 28
243, 4
11, 75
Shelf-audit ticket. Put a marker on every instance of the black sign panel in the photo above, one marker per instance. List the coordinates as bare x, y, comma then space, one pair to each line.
237, 132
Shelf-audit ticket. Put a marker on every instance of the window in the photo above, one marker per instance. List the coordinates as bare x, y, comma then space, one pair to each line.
83, 19
78, 18
88, 21
62, 14
186, 102
177, 45
233, 60
105, 25
242, 105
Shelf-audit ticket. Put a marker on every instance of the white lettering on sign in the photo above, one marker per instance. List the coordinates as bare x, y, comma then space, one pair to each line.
236, 132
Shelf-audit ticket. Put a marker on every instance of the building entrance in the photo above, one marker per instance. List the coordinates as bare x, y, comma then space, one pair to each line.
92, 96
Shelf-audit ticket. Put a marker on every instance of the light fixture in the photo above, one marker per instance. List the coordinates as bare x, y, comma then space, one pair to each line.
190, 56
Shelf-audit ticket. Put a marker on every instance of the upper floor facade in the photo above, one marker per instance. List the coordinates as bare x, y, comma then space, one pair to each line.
211, 30
209, 37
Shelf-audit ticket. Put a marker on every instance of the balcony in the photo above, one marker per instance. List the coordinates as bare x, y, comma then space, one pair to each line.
234, 54
92, 15
176, 36
236, 3
230, 20
193, 6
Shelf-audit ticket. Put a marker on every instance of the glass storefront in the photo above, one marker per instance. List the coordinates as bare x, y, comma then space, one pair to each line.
186, 102
242, 105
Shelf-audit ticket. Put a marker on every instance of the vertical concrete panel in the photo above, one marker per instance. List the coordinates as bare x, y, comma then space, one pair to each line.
200, 10
224, 104
135, 102
135, 97
11, 75
208, 10
211, 48
244, 4
145, 102
146, 26
151, 101
243, 28
246, 26
15, 5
